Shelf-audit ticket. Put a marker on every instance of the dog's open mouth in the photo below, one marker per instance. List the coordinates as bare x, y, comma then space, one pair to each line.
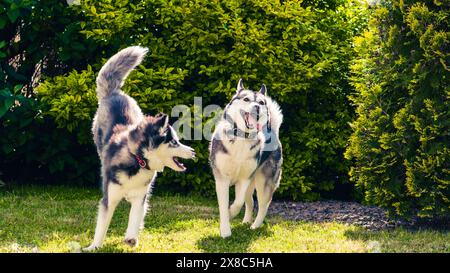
178, 163
251, 122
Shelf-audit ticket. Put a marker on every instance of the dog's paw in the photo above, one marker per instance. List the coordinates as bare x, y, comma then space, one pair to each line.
225, 233
133, 242
247, 220
255, 226
90, 248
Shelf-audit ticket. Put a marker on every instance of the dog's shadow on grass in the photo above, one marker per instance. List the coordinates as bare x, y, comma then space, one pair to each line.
240, 240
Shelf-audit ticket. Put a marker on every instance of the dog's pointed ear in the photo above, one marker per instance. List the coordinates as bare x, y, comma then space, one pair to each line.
240, 86
161, 121
263, 90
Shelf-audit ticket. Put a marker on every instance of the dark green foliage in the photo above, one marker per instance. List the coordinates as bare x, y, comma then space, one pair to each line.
299, 50
39, 33
38, 38
400, 144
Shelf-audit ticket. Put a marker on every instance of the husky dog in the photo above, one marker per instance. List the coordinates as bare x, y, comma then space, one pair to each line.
245, 151
132, 147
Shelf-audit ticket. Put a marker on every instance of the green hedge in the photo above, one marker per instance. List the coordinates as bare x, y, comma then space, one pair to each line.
300, 50
39, 39
400, 145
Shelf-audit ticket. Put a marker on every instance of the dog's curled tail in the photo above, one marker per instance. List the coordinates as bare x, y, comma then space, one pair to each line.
113, 73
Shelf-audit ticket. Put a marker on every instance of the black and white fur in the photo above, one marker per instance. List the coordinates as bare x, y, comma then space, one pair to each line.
245, 151
132, 147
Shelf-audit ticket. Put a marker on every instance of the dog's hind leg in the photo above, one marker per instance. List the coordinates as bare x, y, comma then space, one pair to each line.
248, 217
223, 198
264, 192
105, 212
241, 190
137, 214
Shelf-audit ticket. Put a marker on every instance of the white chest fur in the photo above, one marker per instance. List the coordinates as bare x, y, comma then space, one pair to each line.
239, 162
134, 185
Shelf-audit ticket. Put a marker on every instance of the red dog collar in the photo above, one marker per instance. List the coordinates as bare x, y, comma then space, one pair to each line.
141, 162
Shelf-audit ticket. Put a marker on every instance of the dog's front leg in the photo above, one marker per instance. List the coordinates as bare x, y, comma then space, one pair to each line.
222, 190
241, 190
249, 204
137, 214
145, 200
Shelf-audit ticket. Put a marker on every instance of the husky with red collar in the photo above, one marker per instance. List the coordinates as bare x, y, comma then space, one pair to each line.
245, 151
132, 147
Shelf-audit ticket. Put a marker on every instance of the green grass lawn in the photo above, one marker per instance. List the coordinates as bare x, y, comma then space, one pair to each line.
59, 219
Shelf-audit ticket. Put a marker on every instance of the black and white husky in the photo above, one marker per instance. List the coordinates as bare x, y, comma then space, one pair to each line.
132, 147
245, 151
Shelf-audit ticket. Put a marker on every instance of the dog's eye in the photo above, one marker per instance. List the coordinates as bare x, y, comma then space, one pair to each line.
173, 142
246, 99
262, 102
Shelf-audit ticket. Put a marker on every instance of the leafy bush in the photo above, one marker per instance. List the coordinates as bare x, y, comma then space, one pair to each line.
39, 38
199, 48
400, 141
